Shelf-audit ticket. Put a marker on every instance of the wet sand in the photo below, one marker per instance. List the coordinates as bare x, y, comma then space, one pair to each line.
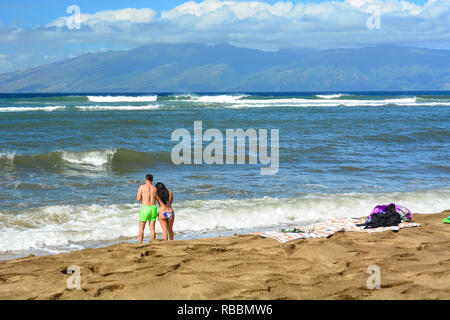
414, 264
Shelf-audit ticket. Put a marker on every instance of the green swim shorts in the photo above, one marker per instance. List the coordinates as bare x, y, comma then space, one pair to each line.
148, 213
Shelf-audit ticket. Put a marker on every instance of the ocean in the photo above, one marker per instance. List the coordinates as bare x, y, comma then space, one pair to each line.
71, 164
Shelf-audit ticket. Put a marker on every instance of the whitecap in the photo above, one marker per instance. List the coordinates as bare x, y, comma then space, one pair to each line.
122, 98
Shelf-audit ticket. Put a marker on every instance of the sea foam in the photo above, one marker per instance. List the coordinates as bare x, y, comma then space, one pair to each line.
121, 108
64, 225
329, 96
93, 158
122, 98
27, 109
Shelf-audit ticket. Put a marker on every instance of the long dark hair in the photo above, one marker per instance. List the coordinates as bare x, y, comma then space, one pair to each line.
162, 192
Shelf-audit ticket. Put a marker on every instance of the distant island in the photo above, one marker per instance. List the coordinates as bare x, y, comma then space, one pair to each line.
192, 67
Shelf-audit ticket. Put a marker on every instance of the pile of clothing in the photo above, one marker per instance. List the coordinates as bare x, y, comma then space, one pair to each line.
387, 215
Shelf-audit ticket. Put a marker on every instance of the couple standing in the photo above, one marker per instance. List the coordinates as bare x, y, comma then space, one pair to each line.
149, 194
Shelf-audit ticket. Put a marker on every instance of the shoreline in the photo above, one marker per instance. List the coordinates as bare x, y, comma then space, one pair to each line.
55, 228
13, 255
414, 264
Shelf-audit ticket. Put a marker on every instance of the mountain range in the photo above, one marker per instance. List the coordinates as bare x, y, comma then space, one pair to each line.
191, 67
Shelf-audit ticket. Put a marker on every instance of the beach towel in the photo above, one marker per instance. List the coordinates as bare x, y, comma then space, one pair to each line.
330, 227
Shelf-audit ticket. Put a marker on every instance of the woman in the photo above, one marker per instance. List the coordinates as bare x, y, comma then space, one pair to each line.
166, 215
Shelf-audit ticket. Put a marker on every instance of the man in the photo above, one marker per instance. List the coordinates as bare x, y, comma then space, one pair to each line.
149, 212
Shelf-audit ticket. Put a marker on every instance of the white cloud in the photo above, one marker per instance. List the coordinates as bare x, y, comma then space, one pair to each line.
436, 8
241, 10
253, 9
325, 24
393, 7
264, 25
132, 15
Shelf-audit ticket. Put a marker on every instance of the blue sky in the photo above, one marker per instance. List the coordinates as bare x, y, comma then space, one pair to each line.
37, 32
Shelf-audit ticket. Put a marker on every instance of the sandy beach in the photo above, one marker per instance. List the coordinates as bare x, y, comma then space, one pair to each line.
414, 264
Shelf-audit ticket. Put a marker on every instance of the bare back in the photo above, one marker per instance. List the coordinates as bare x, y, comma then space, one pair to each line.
147, 194
163, 207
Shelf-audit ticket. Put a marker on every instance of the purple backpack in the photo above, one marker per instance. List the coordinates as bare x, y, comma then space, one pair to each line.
404, 212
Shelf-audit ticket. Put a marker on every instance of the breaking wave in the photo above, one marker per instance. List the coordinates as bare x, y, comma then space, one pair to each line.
122, 98
27, 109
241, 101
115, 159
121, 108
135, 103
73, 225
329, 96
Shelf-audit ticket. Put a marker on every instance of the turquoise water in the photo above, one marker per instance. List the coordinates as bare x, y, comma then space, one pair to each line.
70, 165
